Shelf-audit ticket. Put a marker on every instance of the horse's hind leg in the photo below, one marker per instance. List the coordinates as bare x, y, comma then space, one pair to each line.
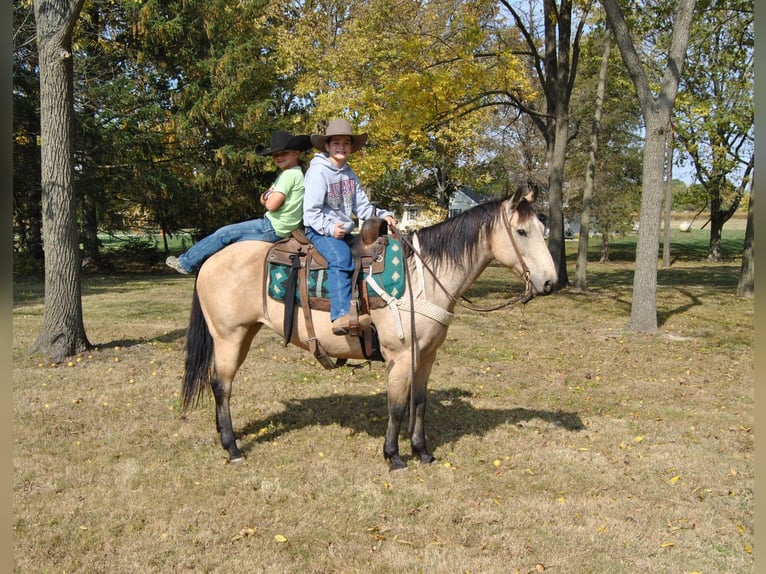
229, 356
222, 392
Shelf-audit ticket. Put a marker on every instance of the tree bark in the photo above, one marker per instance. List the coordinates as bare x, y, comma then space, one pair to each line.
668, 203
656, 113
643, 312
63, 332
746, 285
581, 277
557, 242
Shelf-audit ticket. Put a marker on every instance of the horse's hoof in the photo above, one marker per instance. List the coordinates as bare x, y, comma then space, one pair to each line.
236, 460
396, 463
427, 458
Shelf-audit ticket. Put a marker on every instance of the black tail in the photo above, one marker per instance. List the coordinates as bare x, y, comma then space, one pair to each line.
199, 356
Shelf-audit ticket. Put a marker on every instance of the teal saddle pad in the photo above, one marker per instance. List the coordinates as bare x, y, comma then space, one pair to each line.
391, 279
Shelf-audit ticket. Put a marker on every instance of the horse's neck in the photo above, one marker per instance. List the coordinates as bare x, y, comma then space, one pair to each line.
445, 286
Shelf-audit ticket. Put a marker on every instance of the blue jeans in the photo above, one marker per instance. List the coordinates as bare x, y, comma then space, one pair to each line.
260, 229
340, 266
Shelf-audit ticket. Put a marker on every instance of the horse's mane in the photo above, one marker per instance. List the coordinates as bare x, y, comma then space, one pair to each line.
456, 239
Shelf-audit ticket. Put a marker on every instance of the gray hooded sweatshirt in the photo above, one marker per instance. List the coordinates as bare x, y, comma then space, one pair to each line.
333, 195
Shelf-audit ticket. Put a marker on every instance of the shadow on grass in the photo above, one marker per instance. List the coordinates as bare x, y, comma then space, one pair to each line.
449, 416
169, 337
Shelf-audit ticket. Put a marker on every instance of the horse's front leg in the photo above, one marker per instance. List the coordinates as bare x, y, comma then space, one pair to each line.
419, 390
222, 392
399, 379
398, 385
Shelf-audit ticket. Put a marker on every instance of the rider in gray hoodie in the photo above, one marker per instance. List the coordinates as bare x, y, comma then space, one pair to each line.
333, 196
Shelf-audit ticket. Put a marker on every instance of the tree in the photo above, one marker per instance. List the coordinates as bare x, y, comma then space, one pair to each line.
555, 66
615, 165
746, 285
656, 112
715, 118
581, 277
63, 332
407, 91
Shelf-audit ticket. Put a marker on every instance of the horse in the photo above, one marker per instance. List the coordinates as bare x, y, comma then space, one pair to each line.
230, 306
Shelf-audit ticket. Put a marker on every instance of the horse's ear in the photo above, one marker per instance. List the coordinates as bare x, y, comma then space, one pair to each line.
517, 197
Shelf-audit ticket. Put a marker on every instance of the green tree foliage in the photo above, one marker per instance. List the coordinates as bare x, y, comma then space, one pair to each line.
715, 133
27, 198
220, 97
172, 97
617, 177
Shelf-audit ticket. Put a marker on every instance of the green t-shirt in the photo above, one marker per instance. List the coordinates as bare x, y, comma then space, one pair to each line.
289, 216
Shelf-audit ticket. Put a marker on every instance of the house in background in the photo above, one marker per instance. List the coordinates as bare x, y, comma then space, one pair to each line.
415, 215
411, 216
463, 199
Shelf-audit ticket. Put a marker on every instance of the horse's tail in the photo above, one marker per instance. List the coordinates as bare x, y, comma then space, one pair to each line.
199, 356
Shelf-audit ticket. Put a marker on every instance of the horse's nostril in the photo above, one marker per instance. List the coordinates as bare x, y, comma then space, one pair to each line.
548, 287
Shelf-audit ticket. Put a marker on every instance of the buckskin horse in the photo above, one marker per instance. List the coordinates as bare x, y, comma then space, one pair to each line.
230, 305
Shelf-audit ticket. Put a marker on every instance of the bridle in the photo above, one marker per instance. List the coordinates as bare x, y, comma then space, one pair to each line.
467, 303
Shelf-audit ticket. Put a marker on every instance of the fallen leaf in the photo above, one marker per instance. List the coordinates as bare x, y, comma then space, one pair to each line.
281, 539
675, 479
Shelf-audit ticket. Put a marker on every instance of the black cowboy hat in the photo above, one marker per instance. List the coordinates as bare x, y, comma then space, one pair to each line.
281, 141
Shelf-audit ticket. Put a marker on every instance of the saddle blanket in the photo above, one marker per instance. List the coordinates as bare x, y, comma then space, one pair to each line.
391, 279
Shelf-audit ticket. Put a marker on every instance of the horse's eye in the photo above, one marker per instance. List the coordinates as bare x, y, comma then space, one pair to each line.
522, 232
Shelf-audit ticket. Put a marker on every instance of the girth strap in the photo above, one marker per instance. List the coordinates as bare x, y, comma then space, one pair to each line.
290, 296
314, 345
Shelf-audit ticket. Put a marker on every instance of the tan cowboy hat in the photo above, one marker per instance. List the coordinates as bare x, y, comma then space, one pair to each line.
281, 141
339, 127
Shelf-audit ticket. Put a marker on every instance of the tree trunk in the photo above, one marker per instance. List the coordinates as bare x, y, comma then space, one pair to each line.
604, 247
668, 203
643, 312
91, 244
746, 286
581, 278
63, 331
656, 112
556, 241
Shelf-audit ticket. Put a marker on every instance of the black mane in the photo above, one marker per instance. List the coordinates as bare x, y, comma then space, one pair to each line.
456, 239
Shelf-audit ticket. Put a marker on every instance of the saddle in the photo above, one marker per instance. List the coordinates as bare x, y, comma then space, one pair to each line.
302, 262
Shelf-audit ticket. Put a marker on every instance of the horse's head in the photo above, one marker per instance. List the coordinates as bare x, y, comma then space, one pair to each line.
518, 242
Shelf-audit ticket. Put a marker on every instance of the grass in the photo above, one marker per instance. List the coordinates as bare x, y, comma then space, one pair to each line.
564, 444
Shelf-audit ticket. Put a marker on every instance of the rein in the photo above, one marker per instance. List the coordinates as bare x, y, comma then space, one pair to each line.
464, 301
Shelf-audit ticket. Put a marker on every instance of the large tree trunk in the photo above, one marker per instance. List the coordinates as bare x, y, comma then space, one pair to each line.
557, 243
656, 112
581, 277
63, 331
643, 312
746, 286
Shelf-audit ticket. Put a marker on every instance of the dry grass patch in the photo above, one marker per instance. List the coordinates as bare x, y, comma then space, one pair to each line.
563, 443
